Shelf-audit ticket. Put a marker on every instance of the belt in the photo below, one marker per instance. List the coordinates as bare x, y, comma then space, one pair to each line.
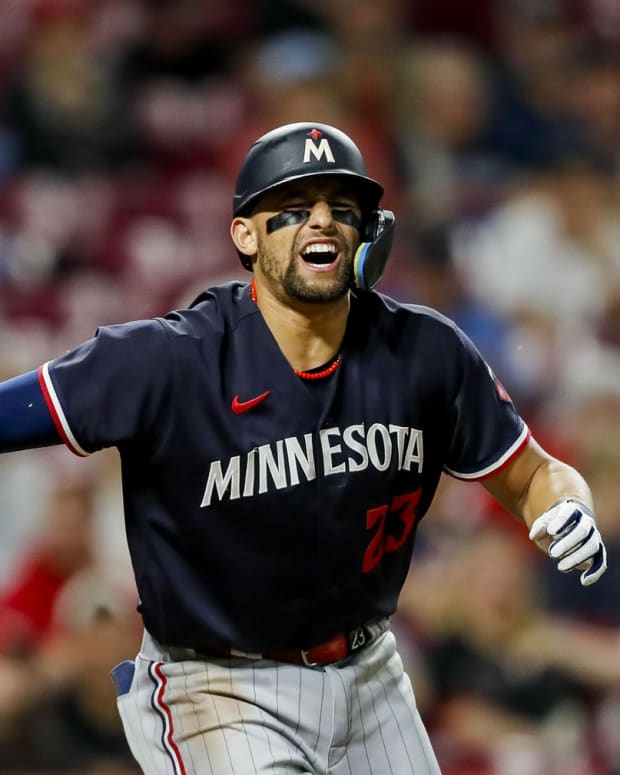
335, 649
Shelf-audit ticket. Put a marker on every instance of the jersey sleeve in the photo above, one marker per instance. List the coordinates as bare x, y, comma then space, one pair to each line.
487, 431
110, 389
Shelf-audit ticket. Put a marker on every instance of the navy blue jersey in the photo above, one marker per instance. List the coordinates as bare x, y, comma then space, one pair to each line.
260, 512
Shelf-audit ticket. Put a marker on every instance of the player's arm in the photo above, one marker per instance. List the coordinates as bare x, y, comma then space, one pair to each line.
25, 420
555, 502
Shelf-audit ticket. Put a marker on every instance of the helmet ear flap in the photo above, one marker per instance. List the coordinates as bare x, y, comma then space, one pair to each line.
374, 250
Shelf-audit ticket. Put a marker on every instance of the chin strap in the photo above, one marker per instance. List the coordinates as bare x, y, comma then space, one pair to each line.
371, 257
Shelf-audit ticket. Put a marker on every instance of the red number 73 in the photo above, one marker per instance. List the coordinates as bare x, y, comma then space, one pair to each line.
402, 506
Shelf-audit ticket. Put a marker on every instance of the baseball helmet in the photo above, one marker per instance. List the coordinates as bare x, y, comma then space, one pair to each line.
301, 150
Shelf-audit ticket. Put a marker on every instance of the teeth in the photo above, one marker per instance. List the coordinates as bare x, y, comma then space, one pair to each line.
318, 247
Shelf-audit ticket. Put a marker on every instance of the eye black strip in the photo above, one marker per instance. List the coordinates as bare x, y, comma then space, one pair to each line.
348, 217
286, 218
293, 217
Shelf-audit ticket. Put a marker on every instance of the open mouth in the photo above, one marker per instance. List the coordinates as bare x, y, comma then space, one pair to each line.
320, 255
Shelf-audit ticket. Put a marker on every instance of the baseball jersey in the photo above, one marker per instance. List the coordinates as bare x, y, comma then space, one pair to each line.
260, 512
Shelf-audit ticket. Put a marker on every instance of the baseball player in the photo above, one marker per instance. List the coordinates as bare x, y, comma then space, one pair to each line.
281, 441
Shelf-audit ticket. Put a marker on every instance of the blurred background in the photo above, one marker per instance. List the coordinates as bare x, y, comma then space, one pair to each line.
495, 128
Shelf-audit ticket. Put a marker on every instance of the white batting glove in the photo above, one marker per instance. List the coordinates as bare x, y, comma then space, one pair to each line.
576, 539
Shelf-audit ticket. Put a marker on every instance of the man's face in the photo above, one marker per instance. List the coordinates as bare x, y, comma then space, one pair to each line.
306, 251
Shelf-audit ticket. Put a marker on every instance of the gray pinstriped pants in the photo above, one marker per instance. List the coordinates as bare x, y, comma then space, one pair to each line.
241, 717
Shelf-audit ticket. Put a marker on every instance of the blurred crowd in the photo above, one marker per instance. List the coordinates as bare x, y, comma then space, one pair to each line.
495, 128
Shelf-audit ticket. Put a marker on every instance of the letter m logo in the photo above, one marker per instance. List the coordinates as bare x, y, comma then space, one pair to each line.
318, 151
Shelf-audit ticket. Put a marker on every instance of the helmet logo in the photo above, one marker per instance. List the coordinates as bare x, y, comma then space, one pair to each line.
318, 151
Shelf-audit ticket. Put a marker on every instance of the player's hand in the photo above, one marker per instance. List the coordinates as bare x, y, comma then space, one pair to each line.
575, 539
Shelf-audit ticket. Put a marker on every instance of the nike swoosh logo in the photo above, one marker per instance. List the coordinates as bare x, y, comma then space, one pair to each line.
239, 407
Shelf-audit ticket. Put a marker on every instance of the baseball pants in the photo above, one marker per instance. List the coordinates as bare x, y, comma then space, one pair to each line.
242, 717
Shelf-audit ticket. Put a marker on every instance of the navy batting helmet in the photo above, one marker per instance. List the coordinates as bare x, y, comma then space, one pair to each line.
297, 151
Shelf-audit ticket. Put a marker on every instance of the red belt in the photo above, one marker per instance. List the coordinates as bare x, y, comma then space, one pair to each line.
333, 650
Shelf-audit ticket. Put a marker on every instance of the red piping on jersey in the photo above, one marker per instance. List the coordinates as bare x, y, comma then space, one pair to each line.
506, 462
54, 414
171, 746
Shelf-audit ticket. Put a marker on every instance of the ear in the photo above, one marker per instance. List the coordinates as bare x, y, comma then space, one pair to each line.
243, 234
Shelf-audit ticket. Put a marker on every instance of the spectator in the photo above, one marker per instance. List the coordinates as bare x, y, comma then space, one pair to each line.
548, 260
62, 105
63, 547
424, 271
441, 115
502, 687
70, 723
584, 421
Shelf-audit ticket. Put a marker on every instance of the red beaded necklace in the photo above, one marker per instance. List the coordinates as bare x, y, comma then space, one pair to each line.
326, 372
323, 373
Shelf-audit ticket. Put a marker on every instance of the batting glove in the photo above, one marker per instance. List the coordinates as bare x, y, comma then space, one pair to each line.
576, 539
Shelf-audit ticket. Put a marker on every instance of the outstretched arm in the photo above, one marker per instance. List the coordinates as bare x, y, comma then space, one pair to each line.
25, 420
555, 502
